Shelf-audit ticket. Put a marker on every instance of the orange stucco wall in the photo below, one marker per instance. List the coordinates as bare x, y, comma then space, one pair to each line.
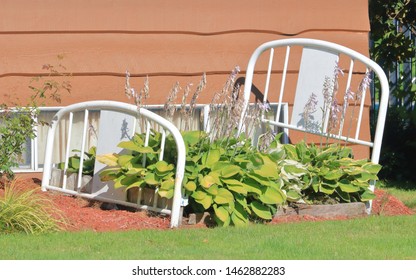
168, 41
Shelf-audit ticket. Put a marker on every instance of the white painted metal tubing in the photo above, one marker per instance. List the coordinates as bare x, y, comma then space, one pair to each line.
132, 110
337, 50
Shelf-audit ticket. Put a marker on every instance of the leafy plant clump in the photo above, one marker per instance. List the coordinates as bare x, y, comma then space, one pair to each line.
23, 210
74, 162
238, 183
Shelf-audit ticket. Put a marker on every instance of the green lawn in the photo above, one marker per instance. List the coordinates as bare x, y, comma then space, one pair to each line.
375, 237
404, 191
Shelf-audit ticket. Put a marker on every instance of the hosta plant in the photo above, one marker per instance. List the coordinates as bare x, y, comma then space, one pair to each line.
333, 175
237, 182
74, 162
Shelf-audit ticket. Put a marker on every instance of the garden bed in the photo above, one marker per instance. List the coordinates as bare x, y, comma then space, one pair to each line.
89, 215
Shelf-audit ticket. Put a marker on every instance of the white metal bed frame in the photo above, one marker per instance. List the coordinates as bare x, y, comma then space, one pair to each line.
323, 48
150, 117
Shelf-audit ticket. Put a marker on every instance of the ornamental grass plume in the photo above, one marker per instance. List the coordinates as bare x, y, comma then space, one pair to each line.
24, 210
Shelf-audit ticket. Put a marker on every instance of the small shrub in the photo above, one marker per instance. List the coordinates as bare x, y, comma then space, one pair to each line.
17, 124
24, 210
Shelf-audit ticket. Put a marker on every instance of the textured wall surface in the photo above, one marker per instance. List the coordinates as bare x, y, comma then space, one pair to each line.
168, 41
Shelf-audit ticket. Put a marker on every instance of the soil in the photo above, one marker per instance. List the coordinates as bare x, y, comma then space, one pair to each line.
81, 214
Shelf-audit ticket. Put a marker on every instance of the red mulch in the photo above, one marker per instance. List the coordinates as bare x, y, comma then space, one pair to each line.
87, 215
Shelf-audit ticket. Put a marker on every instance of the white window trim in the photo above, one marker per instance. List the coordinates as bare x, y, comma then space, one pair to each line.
34, 162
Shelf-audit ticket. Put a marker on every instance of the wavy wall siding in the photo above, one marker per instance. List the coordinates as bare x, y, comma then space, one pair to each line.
168, 41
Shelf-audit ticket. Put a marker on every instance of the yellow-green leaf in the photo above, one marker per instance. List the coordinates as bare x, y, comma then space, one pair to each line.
151, 179
168, 184
108, 159
166, 193
230, 171
212, 157
207, 181
272, 196
190, 186
224, 196
221, 213
261, 210
125, 159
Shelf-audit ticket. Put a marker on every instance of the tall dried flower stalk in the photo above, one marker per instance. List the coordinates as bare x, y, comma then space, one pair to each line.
225, 108
170, 106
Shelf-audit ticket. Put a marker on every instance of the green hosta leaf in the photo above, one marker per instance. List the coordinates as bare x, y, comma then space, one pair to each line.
190, 186
328, 187
108, 159
272, 196
213, 190
218, 166
151, 179
117, 181
74, 162
203, 198
345, 152
195, 158
205, 202
232, 182
166, 193
343, 195
242, 201
130, 145
125, 160
224, 196
316, 184
367, 195
291, 152
267, 171
237, 189
365, 177
216, 176
139, 171
260, 180
277, 155
138, 139
137, 184
372, 168
353, 170
163, 168
239, 216
261, 210
230, 171
293, 170
347, 186
293, 195
255, 160
109, 174
192, 138
212, 157
199, 195
252, 186
221, 213
334, 174
207, 181
362, 185
302, 150
168, 184
328, 153
128, 180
